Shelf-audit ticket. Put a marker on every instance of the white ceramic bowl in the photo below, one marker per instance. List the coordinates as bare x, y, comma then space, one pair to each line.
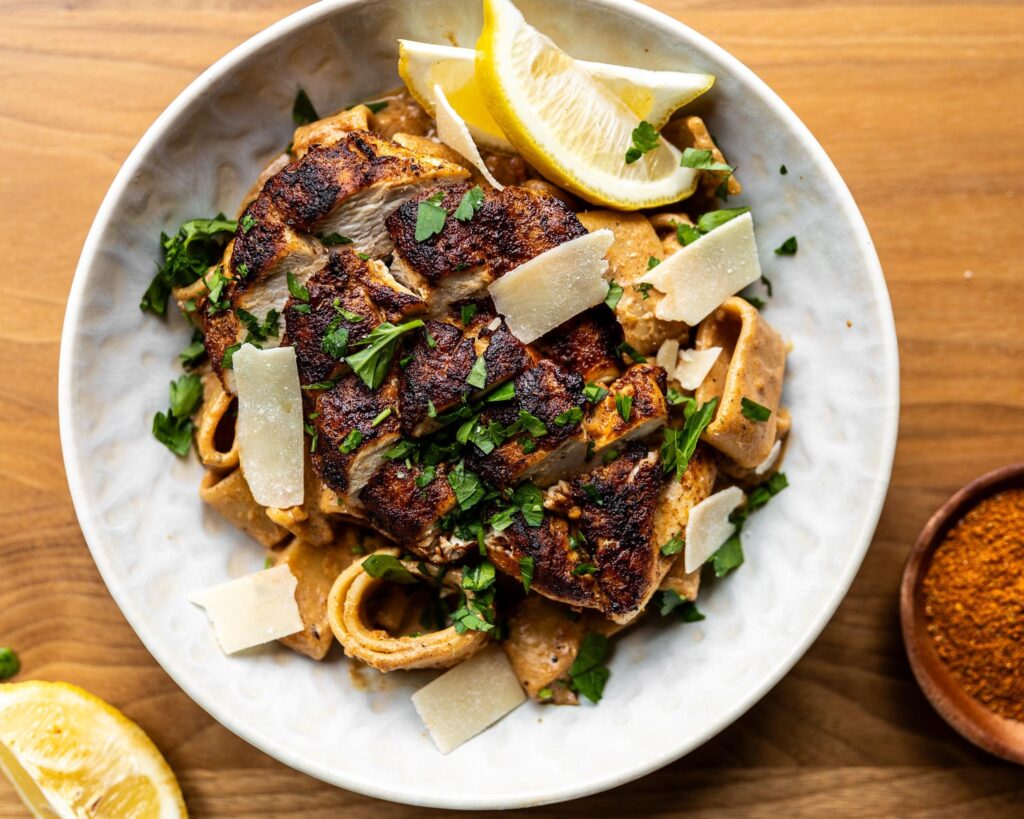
671, 688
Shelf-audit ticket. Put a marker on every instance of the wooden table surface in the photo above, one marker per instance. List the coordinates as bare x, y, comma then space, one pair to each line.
920, 105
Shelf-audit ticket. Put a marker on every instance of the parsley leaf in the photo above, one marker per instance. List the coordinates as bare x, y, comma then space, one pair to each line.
506, 392
716, 218
387, 567
782, 170
755, 302
351, 442
478, 374
631, 351
426, 477
644, 289
645, 138
335, 239
686, 234
382, 416
466, 313
588, 672
335, 342
174, 429
371, 363
787, 248
259, 331
593, 493
581, 569
248, 223
594, 393
430, 217
573, 415
529, 499
754, 411
679, 444
472, 200
526, 572
674, 545
624, 404
614, 294
703, 160
532, 424
686, 610
653, 262
728, 557
197, 245
192, 355
467, 487
479, 578
298, 291
303, 111
186, 394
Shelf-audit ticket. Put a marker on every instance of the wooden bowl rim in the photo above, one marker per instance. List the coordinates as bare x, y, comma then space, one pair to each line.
970, 718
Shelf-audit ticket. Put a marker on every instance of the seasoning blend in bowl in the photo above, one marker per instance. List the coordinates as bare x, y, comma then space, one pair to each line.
974, 602
962, 611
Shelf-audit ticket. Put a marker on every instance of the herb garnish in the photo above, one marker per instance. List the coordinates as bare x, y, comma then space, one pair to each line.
197, 245
248, 223
631, 351
644, 288
686, 234
430, 217
478, 374
716, 218
506, 392
174, 429
680, 444
303, 111
782, 170
653, 262
471, 201
351, 442
703, 160
383, 415
573, 415
192, 355
9, 663
387, 567
593, 493
588, 674
526, 572
787, 248
335, 239
426, 477
376, 107
624, 404
754, 411
674, 545
686, 610
582, 569
298, 291
466, 313
645, 138
371, 363
614, 294
594, 393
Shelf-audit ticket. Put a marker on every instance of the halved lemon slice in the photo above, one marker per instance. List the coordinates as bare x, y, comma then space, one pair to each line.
69, 754
651, 95
567, 124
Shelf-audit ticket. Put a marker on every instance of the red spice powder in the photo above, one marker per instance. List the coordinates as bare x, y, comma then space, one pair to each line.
974, 602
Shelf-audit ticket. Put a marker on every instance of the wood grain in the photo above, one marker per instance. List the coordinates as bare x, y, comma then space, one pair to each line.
921, 105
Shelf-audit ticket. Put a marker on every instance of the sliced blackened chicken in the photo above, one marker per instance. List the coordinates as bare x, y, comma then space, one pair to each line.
355, 427
407, 502
329, 130
587, 345
441, 360
634, 408
342, 303
547, 441
511, 227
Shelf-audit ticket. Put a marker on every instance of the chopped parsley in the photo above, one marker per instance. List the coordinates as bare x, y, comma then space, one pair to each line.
351, 442
755, 302
674, 545
584, 569
478, 374
298, 291
382, 416
614, 294
728, 557
467, 487
174, 428
197, 245
632, 352
644, 288
670, 601
471, 201
193, 355
573, 415
716, 218
653, 262
335, 341
674, 397
376, 107
479, 578
531, 423
312, 432
787, 248
610, 456
259, 331
248, 223
645, 138
372, 361
426, 477
526, 572
215, 283
303, 111
624, 404
387, 567
754, 411
594, 393
686, 234
703, 160
593, 493
9, 663
320, 385
506, 392
430, 217
528, 446
588, 674
335, 239
227, 360
782, 170
466, 313
680, 444
577, 540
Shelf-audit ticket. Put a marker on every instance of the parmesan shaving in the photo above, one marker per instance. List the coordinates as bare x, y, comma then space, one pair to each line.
667, 355
708, 526
270, 435
453, 132
551, 288
252, 610
495, 324
694, 366
464, 701
769, 462
697, 278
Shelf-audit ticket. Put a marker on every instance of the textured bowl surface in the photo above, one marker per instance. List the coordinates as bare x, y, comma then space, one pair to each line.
671, 688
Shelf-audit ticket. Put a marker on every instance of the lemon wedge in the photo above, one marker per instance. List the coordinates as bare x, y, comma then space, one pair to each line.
651, 95
70, 754
569, 126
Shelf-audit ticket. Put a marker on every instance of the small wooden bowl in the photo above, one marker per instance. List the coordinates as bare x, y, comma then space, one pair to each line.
995, 734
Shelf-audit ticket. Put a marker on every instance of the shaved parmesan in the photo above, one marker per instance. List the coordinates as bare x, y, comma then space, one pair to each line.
708, 526
270, 441
769, 462
252, 610
495, 324
694, 366
697, 278
453, 132
667, 354
464, 701
551, 288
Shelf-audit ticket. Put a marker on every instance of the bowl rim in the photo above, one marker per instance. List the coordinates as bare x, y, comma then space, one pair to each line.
889, 420
961, 712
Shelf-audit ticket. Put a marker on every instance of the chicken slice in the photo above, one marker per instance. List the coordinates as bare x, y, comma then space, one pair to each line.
406, 503
641, 393
347, 416
586, 344
435, 378
635, 244
329, 130
551, 396
511, 227
542, 643
349, 293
